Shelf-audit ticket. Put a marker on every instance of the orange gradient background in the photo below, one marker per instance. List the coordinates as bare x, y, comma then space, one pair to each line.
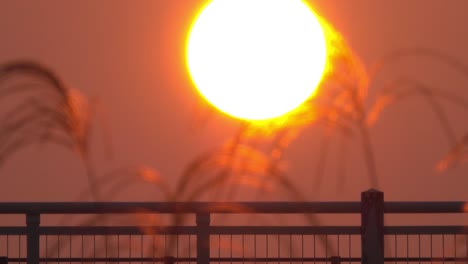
131, 56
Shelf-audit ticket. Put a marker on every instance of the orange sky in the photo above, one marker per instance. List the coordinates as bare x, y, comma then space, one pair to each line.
129, 54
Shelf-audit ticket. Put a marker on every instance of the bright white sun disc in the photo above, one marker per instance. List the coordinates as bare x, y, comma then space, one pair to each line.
256, 59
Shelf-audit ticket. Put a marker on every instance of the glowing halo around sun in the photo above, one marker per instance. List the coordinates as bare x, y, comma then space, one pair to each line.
256, 59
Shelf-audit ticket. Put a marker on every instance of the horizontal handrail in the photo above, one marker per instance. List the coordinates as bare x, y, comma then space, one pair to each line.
233, 230
178, 207
251, 230
223, 207
425, 230
426, 207
185, 230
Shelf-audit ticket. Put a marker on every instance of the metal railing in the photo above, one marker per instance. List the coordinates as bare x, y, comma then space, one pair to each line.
203, 243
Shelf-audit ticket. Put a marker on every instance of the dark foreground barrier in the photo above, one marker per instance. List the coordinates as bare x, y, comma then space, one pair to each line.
204, 243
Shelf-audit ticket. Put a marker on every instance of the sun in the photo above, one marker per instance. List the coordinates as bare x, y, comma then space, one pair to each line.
256, 59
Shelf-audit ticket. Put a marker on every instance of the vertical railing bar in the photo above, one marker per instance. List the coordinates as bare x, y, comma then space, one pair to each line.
302, 248
279, 249
19, 246
58, 246
118, 246
231, 249
70, 247
129, 248
314, 250
455, 245
46, 248
154, 247
94, 246
443, 249
106, 242
82, 249
349, 248
338, 244
189, 247
396, 248
243, 244
219, 248
419, 248
326, 246
255, 248
290, 249
267, 246
141, 247
177, 245
431, 247
466, 245
407, 249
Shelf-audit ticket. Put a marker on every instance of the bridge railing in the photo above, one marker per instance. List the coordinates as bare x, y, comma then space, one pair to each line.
203, 242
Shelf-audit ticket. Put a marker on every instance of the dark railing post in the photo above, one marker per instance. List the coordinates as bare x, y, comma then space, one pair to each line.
203, 238
335, 259
372, 237
32, 226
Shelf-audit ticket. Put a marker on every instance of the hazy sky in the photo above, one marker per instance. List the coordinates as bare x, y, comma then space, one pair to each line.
129, 54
